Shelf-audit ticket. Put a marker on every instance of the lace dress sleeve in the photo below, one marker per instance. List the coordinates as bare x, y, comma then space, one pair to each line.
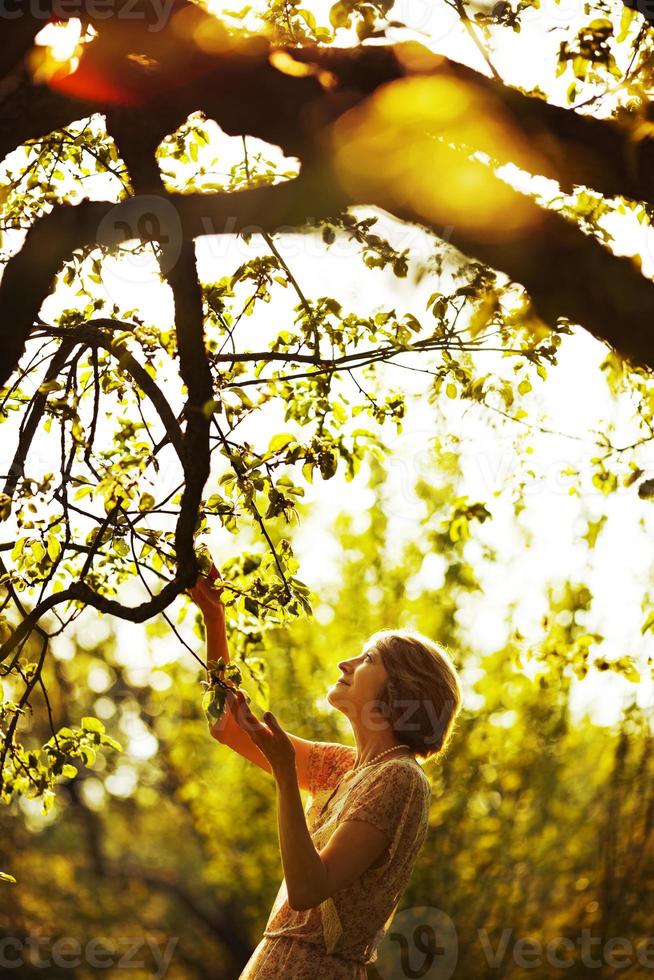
327, 763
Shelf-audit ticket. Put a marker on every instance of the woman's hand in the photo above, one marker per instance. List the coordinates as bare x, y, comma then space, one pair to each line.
217, 726
206, 595
270, 738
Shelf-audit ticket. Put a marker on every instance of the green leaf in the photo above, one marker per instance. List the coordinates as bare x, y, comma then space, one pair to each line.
18, 548
279, 441
112, 743
146, 502
210, 407
87, 754
54, 547
38, 551
213, 703
5, 506
90, 724
339, 15
649, 623
628, 15
308, 18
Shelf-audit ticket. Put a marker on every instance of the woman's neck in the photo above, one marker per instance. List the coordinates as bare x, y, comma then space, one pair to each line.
370, 744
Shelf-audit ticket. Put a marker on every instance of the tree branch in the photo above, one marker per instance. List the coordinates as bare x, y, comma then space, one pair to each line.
29, 275
92, 334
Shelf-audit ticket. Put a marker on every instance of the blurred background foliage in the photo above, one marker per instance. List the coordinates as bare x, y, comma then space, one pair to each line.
540, 824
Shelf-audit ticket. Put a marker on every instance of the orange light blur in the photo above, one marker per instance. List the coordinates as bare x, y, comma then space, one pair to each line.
398, 145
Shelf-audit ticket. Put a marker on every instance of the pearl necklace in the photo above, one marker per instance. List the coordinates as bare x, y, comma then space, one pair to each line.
376, 758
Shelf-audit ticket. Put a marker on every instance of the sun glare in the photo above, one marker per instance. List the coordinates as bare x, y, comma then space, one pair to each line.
57, 51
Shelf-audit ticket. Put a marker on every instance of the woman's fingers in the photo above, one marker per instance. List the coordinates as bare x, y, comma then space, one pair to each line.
272, 741
230, 701
248, 721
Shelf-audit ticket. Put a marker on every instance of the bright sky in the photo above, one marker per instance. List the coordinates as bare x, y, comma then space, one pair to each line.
574, 398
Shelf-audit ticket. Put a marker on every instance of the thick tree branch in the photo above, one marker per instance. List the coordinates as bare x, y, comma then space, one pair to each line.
566, 273
179, 268
293, 112
296, 113
33, 111
571, 148
29, 275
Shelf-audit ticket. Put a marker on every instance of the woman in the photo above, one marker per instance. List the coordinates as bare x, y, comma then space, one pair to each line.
347, 860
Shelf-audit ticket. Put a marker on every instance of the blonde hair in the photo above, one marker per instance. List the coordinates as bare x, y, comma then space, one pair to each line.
422, 697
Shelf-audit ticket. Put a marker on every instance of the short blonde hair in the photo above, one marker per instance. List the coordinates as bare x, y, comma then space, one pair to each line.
422, 697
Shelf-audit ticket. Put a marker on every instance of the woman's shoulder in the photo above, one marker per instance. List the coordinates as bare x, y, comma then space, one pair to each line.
403, 774
409, 775
406, 763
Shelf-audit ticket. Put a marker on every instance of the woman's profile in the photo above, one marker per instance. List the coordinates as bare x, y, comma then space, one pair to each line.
348, 858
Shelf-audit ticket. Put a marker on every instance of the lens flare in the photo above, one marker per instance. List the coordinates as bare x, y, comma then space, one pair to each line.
410, 144
57, 50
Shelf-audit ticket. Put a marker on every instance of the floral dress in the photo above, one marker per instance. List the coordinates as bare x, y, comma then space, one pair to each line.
338, 938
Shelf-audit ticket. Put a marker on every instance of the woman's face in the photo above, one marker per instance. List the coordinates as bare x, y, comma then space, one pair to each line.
358, 690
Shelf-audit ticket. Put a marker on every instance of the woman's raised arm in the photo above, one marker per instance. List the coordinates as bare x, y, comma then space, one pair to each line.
226, 730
